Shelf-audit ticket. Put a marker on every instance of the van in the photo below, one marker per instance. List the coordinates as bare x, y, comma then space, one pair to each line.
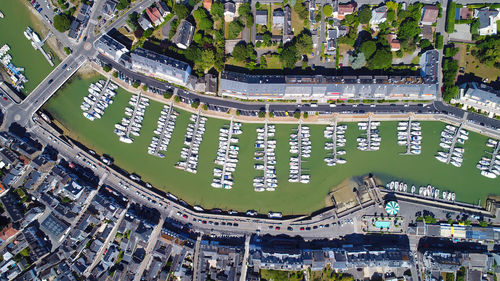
314, 105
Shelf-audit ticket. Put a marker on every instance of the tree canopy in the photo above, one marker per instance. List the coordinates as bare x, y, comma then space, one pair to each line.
368, 48
327, 10
488, 52
244, 53
61, 22
365, 14
234, 29
180, 11
381, 59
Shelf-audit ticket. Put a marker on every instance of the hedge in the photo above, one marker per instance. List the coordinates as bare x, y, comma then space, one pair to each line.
450, 17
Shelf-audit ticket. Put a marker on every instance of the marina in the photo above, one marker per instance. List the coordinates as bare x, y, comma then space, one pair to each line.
132, 124
227, 155
370, 140
450, 136
490, 166
429, 191
37, 43
289, 198
192, 141
266, 159
410, 136
300, 148
163, 132
17, 77
335, 133
100, 96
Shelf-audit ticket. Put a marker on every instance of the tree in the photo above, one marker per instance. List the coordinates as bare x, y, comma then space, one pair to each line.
382, 59
177, 99
61, 22
365, 14
122, 5
67, 50
368, 48
193, 53
136, 84
234, 29
450, 17
304, 43
144, 88
206, 24
147, 33
132, 21
246, 11
207, 59
424, 44
243, 52
392, 5
357, 61
439, 41
327, 10
296, 114
217, 10
106, 68
180, 11
306, 114
408, 29
262, 114
301, 10
289, 56
195, 104
115, 74
266, 37
167, 95
391, 16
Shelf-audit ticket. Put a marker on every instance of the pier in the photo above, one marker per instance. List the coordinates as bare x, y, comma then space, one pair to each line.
102, 94
493, 156
299, 154
193, 138
134, 113
408, 137
265, 155
38, 45
164, 129
334, 138
453, 143
229, 136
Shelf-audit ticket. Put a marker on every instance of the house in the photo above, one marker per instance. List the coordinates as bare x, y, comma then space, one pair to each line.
109, 8
480, 97
487, 21
261, 17
393, 42
184, 34
344, 10
110, 48
143, 22
207, 4
73, 190
429, 15
379, 15
463, 13
229, 11
154, 15
74, 29
207, 84
287, 27
163, 8
160, 66
427, 32
278, 18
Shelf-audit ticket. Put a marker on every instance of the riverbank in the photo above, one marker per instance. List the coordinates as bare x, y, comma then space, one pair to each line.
290, 198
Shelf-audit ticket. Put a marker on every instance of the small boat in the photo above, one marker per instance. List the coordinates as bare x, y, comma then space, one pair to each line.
453, 196
488, 174
413, 189
391, 185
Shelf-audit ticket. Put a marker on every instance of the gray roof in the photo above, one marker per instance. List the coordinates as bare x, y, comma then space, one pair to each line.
278, 17
331, 87
184, 34
261, 17
110, 47
484, 15
53, 227
144, 22
160, 66
229, 7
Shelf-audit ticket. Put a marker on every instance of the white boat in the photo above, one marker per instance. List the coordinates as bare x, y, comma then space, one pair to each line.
126, 139
391, 185
453, 196
488, 174
413, 189
441, 159
456, 164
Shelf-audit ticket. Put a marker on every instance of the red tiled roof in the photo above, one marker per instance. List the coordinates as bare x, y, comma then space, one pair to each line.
151, 15
430, 14
207, 4
465, 13
346, 8
156, 13
8, 232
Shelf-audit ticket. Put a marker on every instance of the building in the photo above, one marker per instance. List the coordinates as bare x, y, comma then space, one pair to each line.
480, 97
393, 42
207, 4
73, 190
379, 15
160, 66
143, 22
184, 34
207, 84
110, 48
278, 18
463, 13
53, 227
109, 8
331, 41
162, 8
344, 10
287, 27
429, 15
324, 88
154, 15
261, 17
487, 21
427, 32
229, 11
74, 29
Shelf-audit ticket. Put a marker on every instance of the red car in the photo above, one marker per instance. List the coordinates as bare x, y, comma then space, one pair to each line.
278, 228
302, 229
185, 216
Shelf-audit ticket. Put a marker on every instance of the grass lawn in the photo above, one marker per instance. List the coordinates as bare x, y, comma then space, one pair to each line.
289, 198
297, 23
472, 65
275, 275
273, 62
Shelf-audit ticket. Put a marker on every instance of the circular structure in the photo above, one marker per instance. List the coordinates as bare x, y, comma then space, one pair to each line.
392, 207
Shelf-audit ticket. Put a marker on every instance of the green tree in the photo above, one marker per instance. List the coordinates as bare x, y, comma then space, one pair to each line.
144, 88
391, 16
207, 59
67, 50
234, 29
296, 114
393, 6
408, 29
306, 114
122, 4
474, 26
368, 48
262, 114
180, 11
450, 17
300, 9
289, 56
61, 22
439, 41
177, 99
327, 10
365, 14
266, 37
136, 84
206, 24
106, 68
195, 104
147, 33
246, 11
382, 59
304, 43
115, 74
217, 10
167, 95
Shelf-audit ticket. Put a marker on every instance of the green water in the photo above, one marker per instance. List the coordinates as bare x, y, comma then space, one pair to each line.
16, 18
291, 198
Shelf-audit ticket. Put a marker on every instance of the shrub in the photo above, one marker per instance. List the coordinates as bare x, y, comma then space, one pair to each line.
106, 68
167, 95
136, 84
450, 17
